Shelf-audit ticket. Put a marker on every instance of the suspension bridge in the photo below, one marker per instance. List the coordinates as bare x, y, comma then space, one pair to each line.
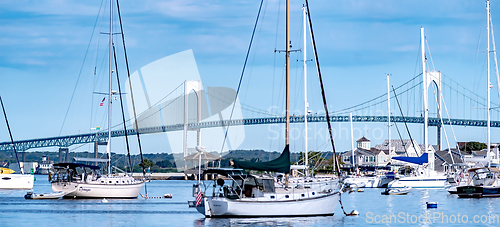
465, 107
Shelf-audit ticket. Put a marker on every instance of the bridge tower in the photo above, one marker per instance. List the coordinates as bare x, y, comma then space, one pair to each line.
196, 87
428, 78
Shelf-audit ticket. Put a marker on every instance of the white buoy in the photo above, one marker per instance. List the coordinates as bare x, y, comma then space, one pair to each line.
354, 212
104, 200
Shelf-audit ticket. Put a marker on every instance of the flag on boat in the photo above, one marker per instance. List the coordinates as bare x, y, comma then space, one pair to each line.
199, 197
102, 102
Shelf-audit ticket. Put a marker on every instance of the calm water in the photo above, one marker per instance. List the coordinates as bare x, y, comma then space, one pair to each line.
374, 208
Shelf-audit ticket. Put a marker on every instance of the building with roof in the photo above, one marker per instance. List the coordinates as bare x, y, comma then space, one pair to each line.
365, 155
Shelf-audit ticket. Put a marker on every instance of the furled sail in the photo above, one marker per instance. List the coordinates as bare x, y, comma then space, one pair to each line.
280, 164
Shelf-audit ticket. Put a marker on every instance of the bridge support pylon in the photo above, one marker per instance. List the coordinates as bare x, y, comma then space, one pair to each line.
196, 87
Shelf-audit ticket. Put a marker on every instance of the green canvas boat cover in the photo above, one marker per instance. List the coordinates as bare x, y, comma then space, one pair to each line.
281, 164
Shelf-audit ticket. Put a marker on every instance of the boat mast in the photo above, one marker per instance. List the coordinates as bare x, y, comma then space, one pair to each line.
389, 115
11, 138
108, 147
287, 65
287, 57
426, 104
306, 105
352, 143
488, 74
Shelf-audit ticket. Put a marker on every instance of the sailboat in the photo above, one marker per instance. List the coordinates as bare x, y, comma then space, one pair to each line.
9, 180
483, 182
424, 175
258, 195
85, 181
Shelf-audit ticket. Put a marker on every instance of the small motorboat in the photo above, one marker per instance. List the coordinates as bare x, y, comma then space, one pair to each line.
396, 191
54, 195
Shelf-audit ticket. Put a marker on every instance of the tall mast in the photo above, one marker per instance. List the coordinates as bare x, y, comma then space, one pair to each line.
426, 104
306, 105
389, 115
287, 57
488, 73
108, 147
352, 142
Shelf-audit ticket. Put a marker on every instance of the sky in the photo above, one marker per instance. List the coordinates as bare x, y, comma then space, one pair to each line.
44, 58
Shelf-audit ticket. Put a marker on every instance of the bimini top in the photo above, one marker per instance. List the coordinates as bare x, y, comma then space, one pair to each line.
415, 160
74, 165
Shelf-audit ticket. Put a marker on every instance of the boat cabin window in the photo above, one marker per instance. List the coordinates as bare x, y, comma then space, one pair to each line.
268, 185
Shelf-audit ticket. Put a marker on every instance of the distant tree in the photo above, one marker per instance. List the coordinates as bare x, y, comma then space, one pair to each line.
146, 163
165, 164
475, 146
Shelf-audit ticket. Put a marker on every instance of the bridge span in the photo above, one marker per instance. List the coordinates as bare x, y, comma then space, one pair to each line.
66, 141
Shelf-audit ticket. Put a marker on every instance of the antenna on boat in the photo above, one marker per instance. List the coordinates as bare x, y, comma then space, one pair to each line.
11, 139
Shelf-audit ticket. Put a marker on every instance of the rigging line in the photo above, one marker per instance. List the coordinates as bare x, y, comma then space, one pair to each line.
430, 55
374, 104
79, 74
449, 120
241, 77
123, 112
11, 139
322, 88
477, 53
252, 63
401, 138
495, 57
442, 123
404, 120
378, 96
131, 95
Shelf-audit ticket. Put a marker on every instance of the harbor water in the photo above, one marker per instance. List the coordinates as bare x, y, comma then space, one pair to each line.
374, 208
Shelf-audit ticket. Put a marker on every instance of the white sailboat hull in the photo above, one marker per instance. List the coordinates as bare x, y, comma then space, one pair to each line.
253, 207
16, 181
96, 189
419, 182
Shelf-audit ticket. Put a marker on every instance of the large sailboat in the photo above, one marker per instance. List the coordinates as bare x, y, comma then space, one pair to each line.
86, 181
260, 195
484, 182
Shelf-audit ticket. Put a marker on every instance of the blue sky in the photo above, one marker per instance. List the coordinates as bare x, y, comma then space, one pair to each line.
43, 44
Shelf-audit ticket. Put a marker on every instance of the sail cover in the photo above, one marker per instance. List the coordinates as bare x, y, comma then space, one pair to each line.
281, 164
415, 160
